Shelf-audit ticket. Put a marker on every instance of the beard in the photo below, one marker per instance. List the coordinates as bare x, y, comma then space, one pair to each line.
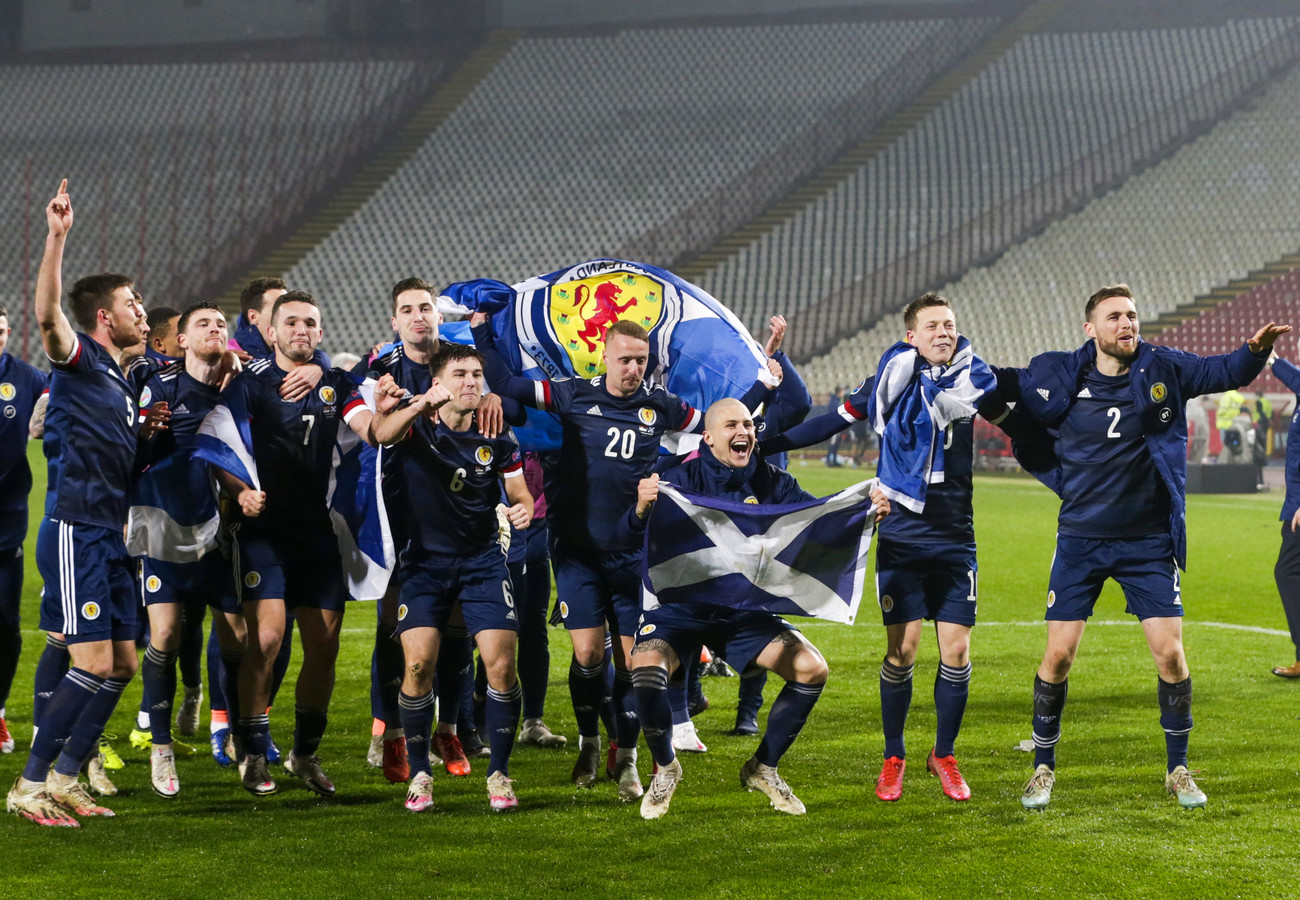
298, 354
1115, 351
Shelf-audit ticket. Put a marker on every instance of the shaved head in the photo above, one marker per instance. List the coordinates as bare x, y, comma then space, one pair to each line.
718, 412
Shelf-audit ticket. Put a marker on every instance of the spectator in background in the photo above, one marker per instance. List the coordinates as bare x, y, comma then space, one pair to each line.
1229, 403
1198, 417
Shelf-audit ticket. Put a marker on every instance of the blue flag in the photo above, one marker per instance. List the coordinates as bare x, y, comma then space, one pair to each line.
553, 326
800, 559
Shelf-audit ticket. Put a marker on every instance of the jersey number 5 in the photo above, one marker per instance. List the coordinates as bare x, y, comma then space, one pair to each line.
622, 443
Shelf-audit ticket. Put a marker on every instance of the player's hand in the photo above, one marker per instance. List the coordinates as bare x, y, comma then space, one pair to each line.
433, 399
1295, 520
477, 318
242, 355
388, 395
252, 502
775, 368
647, 492
300, 382
774, 340
881, 503
489, 418
231, 365
520, 516
155, 422
1264, 338
58, 214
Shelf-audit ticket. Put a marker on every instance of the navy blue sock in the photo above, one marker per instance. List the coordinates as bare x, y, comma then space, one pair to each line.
691, 678
455, 653
1049, 704
190, 657
84, 739
502, 714
11, 635
750, 695
216, 674
386, 677
534, 643
789, 713
678, 705
50, 669
1176, 719
587, 687
309, 728
255, 734
159, 676
655, 709
282, 659
608, 714
417, 724
62, 710
628, 724
231, 660
895, 700
951, 688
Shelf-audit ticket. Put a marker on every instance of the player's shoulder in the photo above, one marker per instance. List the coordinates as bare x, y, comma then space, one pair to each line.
260, 368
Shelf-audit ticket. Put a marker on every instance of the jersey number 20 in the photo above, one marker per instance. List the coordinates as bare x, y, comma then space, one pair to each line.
622, 443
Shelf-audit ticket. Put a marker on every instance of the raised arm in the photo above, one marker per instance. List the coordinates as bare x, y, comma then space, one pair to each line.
57, 334
520, 512
498, 375
1210, 374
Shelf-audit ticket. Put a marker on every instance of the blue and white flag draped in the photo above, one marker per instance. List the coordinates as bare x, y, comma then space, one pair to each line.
355, 500
799, 559
553, 326
911, 406
165, 522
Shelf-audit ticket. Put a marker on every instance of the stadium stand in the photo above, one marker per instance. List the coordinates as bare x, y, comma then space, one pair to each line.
178, 171
575, 147
1056, 119
1219, 207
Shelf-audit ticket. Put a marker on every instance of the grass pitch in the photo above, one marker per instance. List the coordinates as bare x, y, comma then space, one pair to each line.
1111, 830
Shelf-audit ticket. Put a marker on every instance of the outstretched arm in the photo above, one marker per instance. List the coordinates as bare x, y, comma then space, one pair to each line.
57, 334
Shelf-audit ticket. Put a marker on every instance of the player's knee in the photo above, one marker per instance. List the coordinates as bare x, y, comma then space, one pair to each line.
902, 656
124, 670
810, 667
501, 673
588, 657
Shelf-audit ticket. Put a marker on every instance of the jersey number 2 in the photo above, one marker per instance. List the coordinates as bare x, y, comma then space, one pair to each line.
621, 443
1113, 412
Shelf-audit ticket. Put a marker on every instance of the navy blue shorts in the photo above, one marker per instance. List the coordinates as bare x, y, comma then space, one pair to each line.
432, 587
598, 588
302, 568
11, 586
1144, 567
923, 582
89, 579
737, 635
208, 581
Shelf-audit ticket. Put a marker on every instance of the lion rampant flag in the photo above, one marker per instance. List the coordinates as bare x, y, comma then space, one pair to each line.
553, 326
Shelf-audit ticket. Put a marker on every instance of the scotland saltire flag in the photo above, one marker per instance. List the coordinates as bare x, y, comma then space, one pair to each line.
355, 500
224, 439
798, 559
553, 326
911, 406
165, 523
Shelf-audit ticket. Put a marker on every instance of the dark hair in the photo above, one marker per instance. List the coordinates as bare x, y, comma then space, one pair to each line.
192, 309
4, 312
91, 294
1111, 290
411, 284
251, 296
292, 297
450, 352
157, 319
627, 328
925, 301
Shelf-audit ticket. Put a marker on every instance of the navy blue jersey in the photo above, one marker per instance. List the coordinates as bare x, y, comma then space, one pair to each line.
1289, 375
452, 488
174, 504
413, 376
249, 338
293, 441
90, 438
21, 385
1110, 486
609, 444
948, 517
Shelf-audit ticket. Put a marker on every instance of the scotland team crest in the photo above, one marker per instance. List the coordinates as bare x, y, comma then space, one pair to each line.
582, 310
646, 415
1158, 391
326, 394
483, 455
7, 391
252, 579
90, 610
152, 584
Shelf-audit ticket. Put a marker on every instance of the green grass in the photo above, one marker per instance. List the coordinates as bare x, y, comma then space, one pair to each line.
1111, 830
